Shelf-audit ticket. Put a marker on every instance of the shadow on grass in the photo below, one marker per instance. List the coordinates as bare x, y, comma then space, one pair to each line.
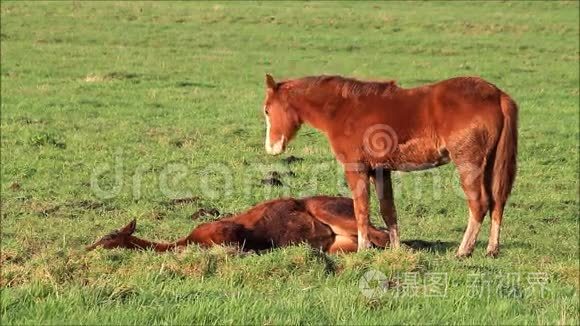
432, 246
195, 84
444, 246
329, 264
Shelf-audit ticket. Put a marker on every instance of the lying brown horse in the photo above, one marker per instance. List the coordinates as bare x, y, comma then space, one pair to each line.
325, 223
377, 127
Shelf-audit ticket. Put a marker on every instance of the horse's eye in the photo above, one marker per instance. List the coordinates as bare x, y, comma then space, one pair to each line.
266, 111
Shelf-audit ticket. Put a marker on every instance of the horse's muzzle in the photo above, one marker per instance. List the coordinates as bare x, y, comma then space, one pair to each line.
277, 147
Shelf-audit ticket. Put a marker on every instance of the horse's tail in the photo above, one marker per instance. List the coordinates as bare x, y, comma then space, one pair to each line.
504, 165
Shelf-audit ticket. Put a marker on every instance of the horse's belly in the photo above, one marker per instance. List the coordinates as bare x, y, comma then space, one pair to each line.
416, 155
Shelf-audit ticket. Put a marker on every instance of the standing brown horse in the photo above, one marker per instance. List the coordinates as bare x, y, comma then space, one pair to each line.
377, 127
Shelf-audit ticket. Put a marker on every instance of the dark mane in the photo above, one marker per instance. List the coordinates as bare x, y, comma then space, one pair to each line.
342, 86
111, 235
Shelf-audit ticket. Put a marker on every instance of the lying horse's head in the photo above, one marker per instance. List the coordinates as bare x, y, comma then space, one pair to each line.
282, 121
115, 239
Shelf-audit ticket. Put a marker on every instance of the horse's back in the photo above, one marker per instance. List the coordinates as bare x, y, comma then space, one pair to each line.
466, 111
426, 122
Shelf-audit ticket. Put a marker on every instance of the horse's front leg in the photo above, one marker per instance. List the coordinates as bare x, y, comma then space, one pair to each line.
384, 188
358, 182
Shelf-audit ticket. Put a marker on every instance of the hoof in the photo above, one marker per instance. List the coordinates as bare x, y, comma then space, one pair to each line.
394, 239
363, 246
462, 255
492, 253
395, 244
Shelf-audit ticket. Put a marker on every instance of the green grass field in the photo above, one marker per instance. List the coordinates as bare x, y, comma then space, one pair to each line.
111, 110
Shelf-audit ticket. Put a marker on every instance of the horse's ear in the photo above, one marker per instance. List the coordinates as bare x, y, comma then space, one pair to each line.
129, 228
270, 83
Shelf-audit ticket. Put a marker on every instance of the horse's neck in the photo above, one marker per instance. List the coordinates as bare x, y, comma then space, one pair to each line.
142, 244
315, 113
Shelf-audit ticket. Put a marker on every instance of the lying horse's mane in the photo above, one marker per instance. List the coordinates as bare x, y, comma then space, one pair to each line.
342, 86
111, 235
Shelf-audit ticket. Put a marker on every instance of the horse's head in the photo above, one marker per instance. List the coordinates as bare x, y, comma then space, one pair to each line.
282, 121
115, 239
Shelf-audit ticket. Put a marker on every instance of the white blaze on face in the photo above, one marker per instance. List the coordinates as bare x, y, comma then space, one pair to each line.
278, 146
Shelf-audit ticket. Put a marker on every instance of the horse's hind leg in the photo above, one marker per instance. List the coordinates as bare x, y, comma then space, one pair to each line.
495, 205
472, 177
496, 217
